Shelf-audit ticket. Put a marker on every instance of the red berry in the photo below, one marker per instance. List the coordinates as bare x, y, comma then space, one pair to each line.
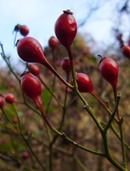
15, 120
126, 51
31, 86
53, 42
9, 98
84, 83
25, 155
2, 101
34, 69
66, 65
85, 52
30, 50
109, 70
66, 28
24, 30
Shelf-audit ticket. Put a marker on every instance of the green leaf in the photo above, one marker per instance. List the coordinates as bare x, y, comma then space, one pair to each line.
46, 97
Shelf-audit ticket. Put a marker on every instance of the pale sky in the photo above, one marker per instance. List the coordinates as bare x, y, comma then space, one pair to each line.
40, 16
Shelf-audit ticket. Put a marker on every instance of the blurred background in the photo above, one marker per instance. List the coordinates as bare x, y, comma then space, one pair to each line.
102, 26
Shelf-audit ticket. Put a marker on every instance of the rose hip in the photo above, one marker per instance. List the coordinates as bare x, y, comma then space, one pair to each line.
10, 98
25, 155
53, 42
66, 28
31, 86
126, 51
66, 65
34, 69
24, 30
30, 50
84, 83
109, 70
15, 121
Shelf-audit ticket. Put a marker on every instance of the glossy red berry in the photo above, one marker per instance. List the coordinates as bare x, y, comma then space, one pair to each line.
2, 101
30, 50
25, 155
109, 70
34, 69
24, 30
126, 51
66, 28
31, 86
66, 65
53, 42
84, 83
10, 98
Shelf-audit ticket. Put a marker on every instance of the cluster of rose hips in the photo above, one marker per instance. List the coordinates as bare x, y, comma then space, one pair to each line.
30, 50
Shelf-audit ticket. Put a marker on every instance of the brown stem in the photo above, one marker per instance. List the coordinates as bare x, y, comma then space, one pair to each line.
57, 75
93, 93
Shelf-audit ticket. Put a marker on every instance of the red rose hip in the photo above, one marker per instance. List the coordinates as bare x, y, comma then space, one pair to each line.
24, 30
25, 155
53, 42
34, 69
15, 121
109, 70
126, 51
30, 50
66, 65
31, 86
10, 98
84, 83
66, 28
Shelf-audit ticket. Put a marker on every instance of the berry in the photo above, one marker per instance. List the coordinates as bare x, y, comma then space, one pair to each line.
66, 28
53, 42
126, 51
31, 86
109, 70
30, 50
84, 83
2, 101
24, 30
34, 69
66, 65
15, 121
25, 155
9, 98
